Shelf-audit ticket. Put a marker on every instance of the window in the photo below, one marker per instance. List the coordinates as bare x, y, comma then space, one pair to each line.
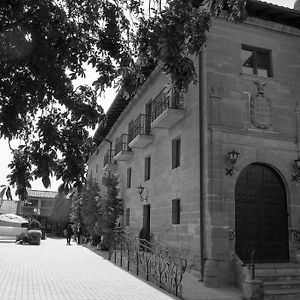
256, 61
176, 153
127, 216
147, 167
129, 178
176, 211
34, 203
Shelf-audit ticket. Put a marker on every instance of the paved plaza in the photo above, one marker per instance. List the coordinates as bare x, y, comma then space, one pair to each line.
54, 270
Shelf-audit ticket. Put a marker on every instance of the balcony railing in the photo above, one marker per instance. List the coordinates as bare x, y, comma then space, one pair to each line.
35, 211
171, 99
122, 150
109, 164
139, 131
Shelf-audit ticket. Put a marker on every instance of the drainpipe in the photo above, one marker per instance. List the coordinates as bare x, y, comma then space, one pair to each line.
202, 130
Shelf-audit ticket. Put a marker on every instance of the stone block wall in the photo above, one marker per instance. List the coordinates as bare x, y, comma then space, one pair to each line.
231, 126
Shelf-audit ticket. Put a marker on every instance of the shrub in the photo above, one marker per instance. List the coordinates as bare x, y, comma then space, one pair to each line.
34, 237
23, 238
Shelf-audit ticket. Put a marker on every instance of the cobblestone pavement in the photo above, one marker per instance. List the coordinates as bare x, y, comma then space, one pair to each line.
54, 270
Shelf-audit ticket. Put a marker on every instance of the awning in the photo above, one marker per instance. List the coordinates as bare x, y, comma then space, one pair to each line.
12, 220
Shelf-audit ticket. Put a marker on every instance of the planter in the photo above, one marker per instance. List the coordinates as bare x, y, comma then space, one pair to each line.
34, 237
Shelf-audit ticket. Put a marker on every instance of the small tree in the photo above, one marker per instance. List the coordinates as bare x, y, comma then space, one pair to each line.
84, 209
88, 205
110, 208
60, 211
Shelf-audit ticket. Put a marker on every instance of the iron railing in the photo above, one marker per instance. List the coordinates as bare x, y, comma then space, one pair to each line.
165, 100
295, 235
140, 126
155, 264
122, 144
251, 252
108, 158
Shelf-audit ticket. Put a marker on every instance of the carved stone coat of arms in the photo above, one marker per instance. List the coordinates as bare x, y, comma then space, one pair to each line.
260, 108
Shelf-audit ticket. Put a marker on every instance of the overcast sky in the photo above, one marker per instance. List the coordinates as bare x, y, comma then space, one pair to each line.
105, 102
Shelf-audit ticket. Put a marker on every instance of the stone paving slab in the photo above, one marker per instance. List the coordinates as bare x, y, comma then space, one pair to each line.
54, 270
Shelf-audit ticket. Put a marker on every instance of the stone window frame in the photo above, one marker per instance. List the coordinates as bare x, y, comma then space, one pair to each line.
259, 51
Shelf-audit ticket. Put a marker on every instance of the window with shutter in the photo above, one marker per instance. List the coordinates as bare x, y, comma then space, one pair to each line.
176, 145
176, 211
256, 61
127, 216
147, 167
129, 170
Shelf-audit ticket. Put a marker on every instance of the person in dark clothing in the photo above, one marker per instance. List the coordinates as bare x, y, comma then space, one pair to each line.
69, 234
79, 232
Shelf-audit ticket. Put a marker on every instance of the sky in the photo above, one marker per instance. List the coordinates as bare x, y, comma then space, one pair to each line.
105, 101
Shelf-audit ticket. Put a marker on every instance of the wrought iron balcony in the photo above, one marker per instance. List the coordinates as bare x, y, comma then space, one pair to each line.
109, 164
139, 132
167, 109
122, 150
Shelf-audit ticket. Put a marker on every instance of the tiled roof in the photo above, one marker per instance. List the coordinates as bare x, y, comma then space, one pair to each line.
8, 207
272, 12
42, 194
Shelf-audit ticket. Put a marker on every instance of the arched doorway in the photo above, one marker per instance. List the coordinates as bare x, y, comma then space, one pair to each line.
261, 218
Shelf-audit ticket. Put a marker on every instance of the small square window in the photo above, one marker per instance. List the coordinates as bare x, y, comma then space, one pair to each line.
256, 61
176, 145
129, 170
147, 167
176, 211
127, 216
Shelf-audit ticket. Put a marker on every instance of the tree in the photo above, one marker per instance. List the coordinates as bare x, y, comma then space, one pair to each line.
44, 45
84, 207
61, 209
110, 208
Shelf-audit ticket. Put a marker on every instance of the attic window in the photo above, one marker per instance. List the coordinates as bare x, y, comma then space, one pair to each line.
256, 61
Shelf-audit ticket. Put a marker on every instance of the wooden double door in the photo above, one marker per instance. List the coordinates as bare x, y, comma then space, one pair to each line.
261, 218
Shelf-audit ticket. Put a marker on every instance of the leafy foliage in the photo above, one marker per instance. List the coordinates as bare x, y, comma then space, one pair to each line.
61, 209
112, 206
84, 207
44, 45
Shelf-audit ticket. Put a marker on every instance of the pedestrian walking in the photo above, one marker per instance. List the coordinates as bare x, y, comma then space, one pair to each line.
79, 232
69, 233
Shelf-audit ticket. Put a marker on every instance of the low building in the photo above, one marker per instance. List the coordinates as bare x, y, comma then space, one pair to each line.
38, 206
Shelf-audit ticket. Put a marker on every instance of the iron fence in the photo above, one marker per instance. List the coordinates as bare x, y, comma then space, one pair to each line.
155, 264
122, 144
140, 126
165, 100
108, 158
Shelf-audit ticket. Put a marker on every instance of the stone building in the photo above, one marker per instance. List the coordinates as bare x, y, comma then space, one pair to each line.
216, 167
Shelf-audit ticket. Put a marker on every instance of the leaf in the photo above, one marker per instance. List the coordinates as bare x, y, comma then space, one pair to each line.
46, 181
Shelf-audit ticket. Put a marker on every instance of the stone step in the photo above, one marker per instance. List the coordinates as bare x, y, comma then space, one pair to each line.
262, 269
282, 294
278, 277
282, 284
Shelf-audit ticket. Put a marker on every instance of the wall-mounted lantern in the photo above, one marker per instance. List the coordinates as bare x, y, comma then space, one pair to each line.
296, 177
233, 156
140, 190
37, 211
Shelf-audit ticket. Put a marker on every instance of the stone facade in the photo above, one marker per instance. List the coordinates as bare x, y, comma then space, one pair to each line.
228, 109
